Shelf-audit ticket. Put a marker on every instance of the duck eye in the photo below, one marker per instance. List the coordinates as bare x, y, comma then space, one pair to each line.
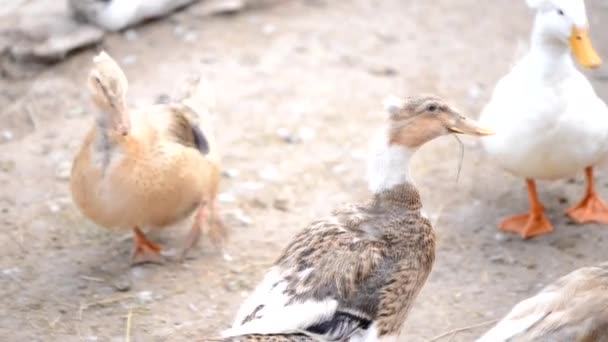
560, 12
432, 108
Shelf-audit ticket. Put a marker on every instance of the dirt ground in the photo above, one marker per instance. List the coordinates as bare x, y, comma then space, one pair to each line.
299, 88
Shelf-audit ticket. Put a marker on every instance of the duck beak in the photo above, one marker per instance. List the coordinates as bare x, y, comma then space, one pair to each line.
583, 49
464, 125
122, 123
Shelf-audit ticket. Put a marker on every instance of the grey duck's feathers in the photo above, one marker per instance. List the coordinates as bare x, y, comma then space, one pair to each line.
362, 266
573, 308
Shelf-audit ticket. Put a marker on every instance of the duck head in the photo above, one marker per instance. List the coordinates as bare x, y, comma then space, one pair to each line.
108, 85
564, 22
412, 122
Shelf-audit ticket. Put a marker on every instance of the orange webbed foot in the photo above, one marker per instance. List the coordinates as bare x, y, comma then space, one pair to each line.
144, 251
591, 209
527, 225
532, 224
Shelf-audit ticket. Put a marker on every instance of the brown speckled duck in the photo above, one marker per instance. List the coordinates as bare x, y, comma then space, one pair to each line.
355, 275
574, 308
147, 167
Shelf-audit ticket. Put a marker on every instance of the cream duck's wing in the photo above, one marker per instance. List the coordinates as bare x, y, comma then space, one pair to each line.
326, 283
182, 127
574, 308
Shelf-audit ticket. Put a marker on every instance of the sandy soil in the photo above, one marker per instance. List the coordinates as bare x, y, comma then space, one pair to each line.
317, 70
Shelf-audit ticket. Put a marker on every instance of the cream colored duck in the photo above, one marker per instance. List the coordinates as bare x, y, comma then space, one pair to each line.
574, 308
354, 276
550, 123
147, 167
115, 15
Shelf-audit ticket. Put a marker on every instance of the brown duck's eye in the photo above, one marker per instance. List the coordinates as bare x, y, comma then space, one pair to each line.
560, 12
432, 108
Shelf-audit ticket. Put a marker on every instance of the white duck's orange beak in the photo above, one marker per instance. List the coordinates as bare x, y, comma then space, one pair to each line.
583, 49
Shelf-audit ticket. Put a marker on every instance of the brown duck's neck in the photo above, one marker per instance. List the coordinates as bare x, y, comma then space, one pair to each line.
388, 164
403, 195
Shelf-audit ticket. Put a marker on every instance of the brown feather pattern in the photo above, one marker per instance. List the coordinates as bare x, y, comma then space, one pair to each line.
372, 258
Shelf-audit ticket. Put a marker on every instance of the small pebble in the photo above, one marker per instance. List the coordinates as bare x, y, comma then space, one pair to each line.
258, 203
252, 186
179, 30
226, 197
131, 35
7, 135
122, 285
498, 259
269, 29
241, 218
63, 171
54, 207
130, 59
500, 237
7, 166
269, 173
281, 204
306, 133
340, 168
474, 91
230, 173
145, 296
190, 37
383, 71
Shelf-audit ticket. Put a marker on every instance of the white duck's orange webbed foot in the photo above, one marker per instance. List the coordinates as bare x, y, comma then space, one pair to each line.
144, 251
531, 224
527, 225
592, 208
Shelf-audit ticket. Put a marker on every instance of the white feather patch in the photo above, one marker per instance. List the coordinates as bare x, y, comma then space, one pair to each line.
388, 165
273, 314
516, 322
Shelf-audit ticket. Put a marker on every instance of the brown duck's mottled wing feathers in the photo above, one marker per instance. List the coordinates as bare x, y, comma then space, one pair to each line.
184, 129
327, 281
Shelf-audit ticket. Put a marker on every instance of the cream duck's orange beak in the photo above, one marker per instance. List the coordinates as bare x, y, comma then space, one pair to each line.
464, 125
583, 49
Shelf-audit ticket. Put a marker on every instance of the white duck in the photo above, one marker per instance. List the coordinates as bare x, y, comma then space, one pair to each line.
115, 15
550, 122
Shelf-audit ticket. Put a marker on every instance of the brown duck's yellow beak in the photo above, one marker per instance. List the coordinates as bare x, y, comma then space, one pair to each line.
583, 49
464, 125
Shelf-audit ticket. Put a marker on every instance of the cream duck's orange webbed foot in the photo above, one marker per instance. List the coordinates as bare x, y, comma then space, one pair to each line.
144, 251
200, 220
592, 208
527, 225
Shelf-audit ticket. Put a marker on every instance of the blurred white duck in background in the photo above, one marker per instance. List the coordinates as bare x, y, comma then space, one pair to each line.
550, 122
115, 15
